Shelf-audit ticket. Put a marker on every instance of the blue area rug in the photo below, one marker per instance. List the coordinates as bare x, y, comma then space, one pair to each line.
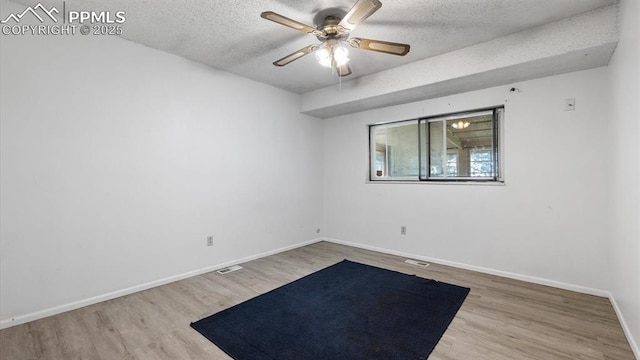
348, 311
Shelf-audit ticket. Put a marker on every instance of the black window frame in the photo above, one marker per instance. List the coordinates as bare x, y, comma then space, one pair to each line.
424, 165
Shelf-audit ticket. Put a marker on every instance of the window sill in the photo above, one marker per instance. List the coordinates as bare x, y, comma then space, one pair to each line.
413, 182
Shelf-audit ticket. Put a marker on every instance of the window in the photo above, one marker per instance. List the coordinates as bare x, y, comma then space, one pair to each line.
452, 163
481, 162
395, 146
453, 147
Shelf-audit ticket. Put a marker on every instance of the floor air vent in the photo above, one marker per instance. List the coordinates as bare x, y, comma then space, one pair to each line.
416, 262
229, 269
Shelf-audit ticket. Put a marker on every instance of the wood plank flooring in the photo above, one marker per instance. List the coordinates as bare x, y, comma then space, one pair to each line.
500, 319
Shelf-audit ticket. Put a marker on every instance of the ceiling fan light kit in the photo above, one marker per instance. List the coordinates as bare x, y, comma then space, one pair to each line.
333, 34
332, 53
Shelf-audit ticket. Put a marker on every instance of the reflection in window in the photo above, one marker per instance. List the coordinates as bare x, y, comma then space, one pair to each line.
462, 146
452, 163
481, 162
396, 150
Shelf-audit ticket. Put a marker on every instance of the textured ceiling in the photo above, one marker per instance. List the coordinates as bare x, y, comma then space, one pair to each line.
231, 36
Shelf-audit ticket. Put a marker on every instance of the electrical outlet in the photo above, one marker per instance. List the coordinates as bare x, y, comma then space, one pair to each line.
209, 240
403, 230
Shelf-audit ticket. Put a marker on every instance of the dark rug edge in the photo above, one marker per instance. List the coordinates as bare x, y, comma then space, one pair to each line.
193, 323
444, 330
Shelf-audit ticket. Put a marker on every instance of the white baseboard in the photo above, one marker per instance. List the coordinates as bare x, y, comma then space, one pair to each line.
531, 279
17, 320
625, 327
527, 278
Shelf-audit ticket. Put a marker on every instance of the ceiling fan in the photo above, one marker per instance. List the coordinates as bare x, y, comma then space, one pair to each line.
333, 33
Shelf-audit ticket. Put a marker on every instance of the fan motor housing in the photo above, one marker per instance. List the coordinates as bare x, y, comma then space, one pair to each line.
331, 29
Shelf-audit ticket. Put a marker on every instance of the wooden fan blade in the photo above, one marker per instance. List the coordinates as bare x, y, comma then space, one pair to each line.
359, 13
343, 70
380, 46
295, 55
283, 20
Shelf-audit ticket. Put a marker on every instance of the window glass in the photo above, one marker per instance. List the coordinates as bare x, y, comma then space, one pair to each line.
396, 150
459, 147
463, 144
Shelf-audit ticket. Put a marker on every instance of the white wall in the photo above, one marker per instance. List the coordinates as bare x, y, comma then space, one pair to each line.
625, 169
118, 160
550, 219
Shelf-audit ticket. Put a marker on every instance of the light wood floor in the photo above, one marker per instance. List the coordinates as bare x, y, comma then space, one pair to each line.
500, 319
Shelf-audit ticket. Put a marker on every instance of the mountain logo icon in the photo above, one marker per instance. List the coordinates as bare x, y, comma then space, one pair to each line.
34, 12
